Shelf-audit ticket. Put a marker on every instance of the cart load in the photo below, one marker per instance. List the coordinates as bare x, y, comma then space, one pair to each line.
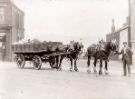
35, 46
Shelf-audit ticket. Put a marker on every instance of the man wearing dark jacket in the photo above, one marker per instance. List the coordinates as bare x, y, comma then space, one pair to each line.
126, 58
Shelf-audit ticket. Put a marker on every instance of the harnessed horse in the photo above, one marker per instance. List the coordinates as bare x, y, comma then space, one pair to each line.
72, 56
102, 55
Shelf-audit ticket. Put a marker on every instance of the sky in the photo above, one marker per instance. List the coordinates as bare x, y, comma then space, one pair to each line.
66, 20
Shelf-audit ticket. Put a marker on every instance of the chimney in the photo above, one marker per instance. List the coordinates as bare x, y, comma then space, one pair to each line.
113, 26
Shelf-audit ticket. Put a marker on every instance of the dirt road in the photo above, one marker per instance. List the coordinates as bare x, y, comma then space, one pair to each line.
51, 84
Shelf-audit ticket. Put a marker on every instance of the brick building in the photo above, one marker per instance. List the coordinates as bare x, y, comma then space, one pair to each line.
11, 28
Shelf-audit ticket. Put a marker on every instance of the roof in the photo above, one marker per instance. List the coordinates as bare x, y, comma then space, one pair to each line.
13, 5
121, 29
21, 11
3, 1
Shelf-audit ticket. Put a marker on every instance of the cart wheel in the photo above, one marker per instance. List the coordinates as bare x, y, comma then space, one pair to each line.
20, 60
37, 62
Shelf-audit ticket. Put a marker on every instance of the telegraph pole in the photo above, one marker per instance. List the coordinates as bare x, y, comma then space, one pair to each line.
129, 24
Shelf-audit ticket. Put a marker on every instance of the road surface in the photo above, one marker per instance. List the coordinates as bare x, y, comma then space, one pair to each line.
47, 83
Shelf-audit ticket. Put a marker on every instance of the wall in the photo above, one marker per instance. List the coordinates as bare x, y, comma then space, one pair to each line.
17, 25
109, 38
12, 24
123, 38
120, 36
5, 23
132, 26
5, 13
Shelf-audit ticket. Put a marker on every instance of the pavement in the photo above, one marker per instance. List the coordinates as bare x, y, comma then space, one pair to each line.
48, 83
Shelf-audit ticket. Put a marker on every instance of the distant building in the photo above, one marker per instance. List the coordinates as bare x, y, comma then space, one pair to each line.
120, 35
132, 26
11, 28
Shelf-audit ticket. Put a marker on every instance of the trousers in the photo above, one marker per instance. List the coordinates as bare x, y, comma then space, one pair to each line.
126, 67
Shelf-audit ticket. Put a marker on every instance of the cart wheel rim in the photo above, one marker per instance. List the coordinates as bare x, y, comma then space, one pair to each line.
37, 62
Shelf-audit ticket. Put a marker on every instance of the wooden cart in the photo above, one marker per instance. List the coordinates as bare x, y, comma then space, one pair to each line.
36, 53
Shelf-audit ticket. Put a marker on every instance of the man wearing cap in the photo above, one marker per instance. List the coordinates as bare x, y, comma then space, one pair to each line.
100, 45
126, 58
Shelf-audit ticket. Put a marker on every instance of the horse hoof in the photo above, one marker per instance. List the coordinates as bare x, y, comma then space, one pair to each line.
100, 72
57, 69
95, 71
76, 70
71, 70
60, 69
88, 71
106, 73
53, 68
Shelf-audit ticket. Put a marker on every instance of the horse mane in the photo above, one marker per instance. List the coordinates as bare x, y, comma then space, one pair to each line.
107, 46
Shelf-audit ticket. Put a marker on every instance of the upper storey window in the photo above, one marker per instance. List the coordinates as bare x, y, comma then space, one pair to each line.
2, 15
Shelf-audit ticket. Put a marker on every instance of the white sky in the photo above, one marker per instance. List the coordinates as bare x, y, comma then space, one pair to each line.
65, 20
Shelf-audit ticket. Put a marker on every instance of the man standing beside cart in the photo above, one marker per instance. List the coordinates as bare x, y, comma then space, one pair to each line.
126, 59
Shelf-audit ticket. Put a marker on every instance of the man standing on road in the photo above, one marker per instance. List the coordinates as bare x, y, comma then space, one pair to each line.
126, 58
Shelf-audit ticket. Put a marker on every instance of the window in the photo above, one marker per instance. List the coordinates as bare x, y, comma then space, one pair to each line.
17, 20
2, 14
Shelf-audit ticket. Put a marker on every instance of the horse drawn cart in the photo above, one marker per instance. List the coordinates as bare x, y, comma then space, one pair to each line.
37, 53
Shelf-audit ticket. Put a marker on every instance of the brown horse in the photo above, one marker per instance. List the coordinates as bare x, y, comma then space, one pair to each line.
101, 55
71, 54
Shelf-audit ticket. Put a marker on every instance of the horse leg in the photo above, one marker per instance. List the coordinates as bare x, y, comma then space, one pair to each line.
57, 62
95, 63
106, 67
60, 66
71, 61
100, 71
88, 64
75, 66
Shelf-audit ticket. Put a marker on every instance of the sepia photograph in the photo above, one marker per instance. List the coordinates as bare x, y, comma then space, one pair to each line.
67, 49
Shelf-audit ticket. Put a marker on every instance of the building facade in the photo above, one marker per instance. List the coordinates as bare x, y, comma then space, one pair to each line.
132, 26
120, 35
11, 28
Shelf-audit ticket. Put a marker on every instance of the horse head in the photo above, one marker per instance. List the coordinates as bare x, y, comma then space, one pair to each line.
113, 45
78, 46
